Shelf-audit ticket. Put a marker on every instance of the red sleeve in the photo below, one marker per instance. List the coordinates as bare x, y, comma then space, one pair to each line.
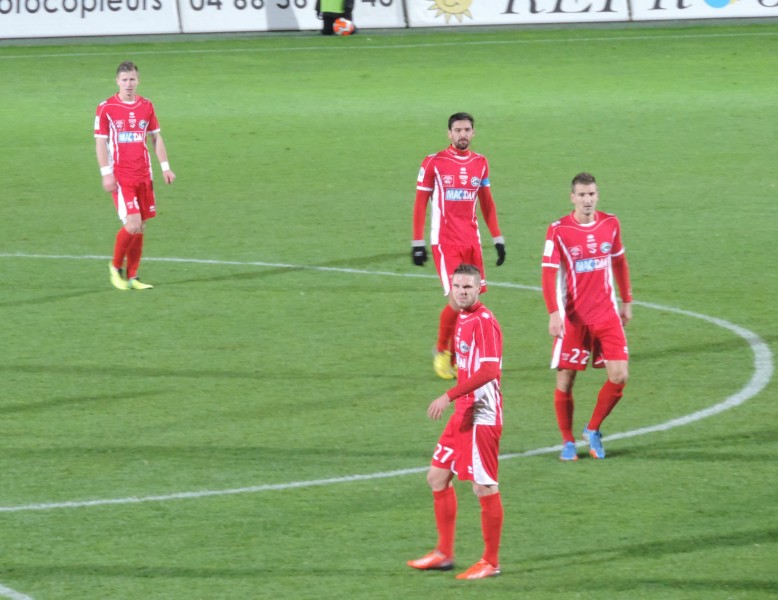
420, 213
488, 371
489, 211
548, 283
621, 274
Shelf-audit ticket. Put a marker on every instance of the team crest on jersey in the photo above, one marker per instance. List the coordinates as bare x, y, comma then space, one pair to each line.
605, 247
464, 348
475, 182
448, 180
143, 124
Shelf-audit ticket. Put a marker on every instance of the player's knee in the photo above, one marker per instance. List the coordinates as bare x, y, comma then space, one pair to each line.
436, 482
134, 227
619, 377
484, 490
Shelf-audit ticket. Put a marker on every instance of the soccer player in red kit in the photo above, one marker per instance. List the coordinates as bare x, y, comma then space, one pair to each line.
122, 124
470, 443
455, 180
582, 256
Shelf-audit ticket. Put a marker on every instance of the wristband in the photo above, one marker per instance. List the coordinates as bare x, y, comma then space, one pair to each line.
106, 170
165, 165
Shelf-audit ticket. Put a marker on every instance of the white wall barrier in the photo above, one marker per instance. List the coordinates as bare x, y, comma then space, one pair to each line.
71, 18
650, 10
435, 13
66, 18
279, 15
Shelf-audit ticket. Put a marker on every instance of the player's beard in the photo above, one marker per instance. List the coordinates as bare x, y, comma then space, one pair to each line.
462, 144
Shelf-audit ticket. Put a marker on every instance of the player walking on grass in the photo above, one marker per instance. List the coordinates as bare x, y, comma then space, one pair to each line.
455, 180
470, 443
122, 124
583, 253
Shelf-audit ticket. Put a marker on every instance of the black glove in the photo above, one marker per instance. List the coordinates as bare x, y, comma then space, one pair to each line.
419, 255
500, 253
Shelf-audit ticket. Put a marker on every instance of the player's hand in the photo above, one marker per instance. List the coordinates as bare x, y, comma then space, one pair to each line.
109, 183
556, 325
500, 253
419, 255
168, 176
438, 406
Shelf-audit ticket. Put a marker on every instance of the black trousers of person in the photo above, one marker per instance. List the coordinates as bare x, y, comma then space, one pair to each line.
329, 18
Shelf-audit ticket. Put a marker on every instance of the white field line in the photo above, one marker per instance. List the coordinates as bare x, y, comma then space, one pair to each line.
763, 372
101, 50
6, 592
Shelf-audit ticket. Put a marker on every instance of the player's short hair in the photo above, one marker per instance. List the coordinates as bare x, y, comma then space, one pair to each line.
583, 179
467, 269
126, 67
461, 116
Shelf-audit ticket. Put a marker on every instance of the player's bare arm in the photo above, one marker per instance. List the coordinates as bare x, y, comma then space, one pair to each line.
161, 152
104, 162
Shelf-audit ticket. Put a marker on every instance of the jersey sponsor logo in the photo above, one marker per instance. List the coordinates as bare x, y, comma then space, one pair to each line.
605, 247
119, 124
464, 347
143, 124
575, 251
458, 194
448, 180
475, 182
130, 137
587, 265
463, 176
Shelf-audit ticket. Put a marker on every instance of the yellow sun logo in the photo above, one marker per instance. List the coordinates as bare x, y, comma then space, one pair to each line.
452, 8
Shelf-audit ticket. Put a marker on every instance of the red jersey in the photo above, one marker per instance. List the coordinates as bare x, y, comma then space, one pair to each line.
478, 340
582, 254
125, 125
457, 180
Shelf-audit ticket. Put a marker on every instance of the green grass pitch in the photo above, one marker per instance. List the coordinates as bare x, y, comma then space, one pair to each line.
286, 346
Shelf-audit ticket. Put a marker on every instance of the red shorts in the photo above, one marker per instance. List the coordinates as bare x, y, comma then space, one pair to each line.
603, 341
469, 450
449, 258
135, 197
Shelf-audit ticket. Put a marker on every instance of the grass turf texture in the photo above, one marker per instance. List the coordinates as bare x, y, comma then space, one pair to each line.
302, 151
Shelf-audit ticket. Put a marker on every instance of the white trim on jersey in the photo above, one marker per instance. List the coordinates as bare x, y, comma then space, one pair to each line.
479, 473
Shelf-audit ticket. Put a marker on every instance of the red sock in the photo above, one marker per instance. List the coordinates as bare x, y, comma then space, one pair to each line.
445, 503
491, 526
134, 252
609, 396
448, 321
563, 404
123, 239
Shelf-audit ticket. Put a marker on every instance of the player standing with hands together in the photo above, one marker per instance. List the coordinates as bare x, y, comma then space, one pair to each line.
582, 255
122, 124
469, 445
455, 180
